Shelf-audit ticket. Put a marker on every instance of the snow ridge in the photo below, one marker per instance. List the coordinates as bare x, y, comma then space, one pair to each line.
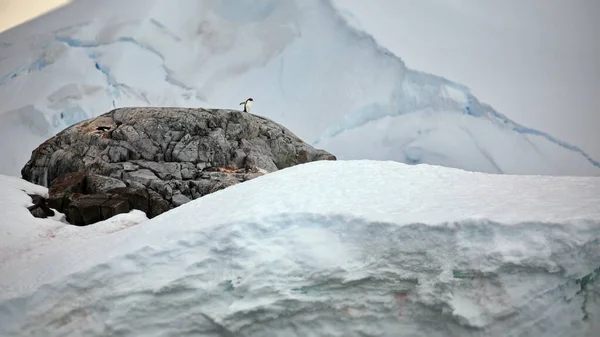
428, 250
467, 278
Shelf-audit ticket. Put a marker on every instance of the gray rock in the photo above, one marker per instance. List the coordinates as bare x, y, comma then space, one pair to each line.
39, 212
179, 199
100, 184
143, 176
128, 167
173, 155
188, 171
40, 208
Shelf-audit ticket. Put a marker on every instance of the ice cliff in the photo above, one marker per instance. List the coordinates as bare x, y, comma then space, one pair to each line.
303, 64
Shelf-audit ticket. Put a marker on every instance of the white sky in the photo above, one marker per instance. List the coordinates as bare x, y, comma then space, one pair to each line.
536, 61
14, 12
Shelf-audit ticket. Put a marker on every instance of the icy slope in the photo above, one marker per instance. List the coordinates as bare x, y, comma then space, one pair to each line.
305, 67
359, 248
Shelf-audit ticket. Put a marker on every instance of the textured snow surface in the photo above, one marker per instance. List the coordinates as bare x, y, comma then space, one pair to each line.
24, 237
302, 62
356, 248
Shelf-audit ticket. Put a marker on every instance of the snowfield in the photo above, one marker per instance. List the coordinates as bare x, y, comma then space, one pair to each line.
346, 248
303, 63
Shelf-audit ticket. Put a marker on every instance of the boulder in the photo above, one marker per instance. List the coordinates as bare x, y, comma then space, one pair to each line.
40, 208
154, 159
87, 209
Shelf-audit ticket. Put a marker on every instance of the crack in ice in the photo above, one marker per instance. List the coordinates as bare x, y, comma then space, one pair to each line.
164, 29
169, 78
40, 63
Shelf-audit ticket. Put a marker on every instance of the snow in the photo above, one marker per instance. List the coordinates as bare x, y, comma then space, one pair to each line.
332, 248
551, 83
346, 248
304, 62
25, 237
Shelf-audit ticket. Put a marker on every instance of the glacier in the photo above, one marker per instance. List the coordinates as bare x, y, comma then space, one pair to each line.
358, 248
303, 63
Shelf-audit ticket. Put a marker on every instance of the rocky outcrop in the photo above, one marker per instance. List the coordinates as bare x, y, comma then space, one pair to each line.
87, 198
154, 159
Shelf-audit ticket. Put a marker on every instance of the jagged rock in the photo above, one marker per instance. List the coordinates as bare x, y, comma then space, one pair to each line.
63, 187
100, 184
40, 208
87, 209
156, 204
179, 199
158, 158
138, 198
92, 208
114, 206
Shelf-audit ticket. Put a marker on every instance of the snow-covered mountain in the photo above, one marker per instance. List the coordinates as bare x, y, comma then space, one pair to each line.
299, 59
359, 248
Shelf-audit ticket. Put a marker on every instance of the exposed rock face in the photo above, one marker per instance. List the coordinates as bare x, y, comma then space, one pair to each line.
154, 159
87, 198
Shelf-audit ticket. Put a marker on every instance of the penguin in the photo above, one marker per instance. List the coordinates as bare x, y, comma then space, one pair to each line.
247, 104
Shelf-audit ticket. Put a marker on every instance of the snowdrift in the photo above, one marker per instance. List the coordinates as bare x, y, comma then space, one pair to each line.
25, 237
303, 64
333, 248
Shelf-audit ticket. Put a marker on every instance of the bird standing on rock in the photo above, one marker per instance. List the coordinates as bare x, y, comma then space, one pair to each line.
247, 104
